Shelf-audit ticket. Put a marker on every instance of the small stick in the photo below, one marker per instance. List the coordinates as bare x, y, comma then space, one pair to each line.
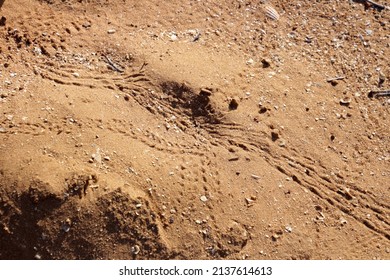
378, 93
142, 66
335, 79
376, 5
112, 64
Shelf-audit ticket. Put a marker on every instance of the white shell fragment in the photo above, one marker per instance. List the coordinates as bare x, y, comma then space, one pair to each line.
271, 12
135, 249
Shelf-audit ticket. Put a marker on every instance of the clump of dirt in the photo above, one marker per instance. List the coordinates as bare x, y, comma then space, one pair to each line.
39, 224
196, 106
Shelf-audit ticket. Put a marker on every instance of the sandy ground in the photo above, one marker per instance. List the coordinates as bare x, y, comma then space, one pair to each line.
189, 129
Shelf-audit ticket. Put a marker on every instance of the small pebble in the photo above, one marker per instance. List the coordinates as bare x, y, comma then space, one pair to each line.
250, 61
233, 105
266, 63
282, 143
203, 198
86, 25
262, 109
275, 237
66, 226
343, 221
111, 31
275, 134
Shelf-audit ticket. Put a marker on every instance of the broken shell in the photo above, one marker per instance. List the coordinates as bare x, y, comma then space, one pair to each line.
173, 37
288, 229
271, 12
343, 221
345, 101
135, 249
275, 237
249, 200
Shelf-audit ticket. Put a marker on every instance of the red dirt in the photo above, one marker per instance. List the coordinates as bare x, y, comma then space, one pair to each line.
194, 130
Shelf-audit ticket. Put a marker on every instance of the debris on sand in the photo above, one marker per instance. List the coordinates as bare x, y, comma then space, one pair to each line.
271, 13
217, 129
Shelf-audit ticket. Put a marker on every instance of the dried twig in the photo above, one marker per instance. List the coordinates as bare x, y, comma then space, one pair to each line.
112, 64
335, 79
142, 66
376, 5
378, 93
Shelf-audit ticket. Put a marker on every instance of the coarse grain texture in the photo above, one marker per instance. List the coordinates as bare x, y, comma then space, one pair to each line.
194, 130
